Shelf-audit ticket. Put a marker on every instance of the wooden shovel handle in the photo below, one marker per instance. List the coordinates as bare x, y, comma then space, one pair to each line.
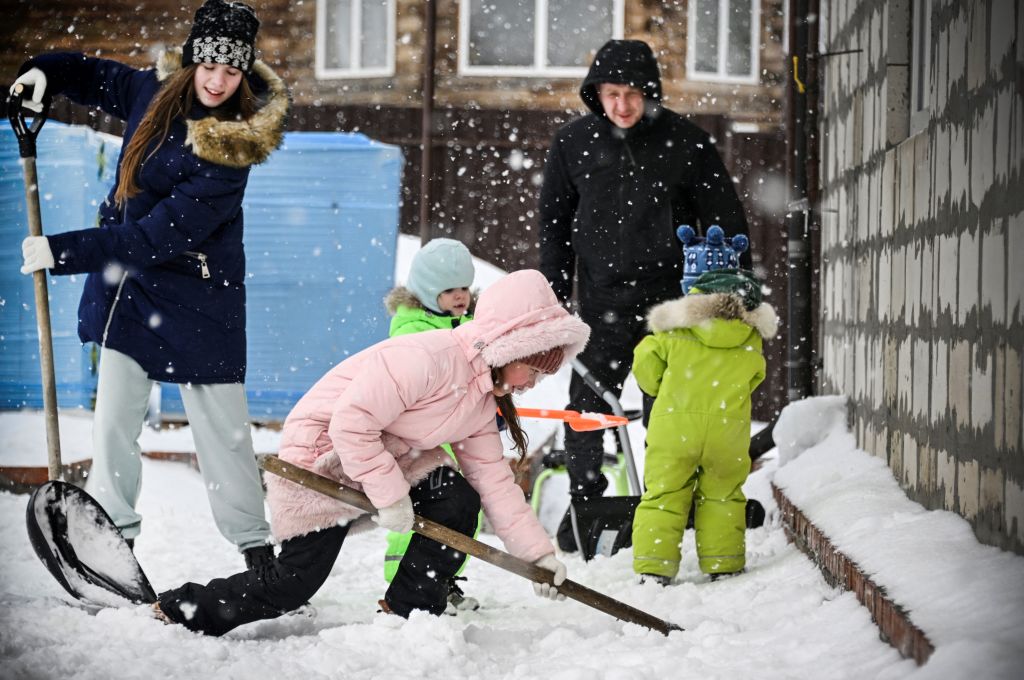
463, 543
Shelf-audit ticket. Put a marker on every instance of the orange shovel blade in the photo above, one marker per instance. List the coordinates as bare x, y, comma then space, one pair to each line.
580, 422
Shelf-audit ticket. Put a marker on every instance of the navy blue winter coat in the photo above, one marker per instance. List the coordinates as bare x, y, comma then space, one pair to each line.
166, 282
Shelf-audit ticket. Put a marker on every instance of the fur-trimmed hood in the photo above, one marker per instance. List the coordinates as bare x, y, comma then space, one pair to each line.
400, 296
519, 316
237, 144
693, 310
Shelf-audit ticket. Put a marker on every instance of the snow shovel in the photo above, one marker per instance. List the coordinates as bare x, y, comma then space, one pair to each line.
467, 545
26, 134
80, 546
580, 422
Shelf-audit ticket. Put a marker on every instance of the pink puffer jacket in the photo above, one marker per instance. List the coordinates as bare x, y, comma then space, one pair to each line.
375, 421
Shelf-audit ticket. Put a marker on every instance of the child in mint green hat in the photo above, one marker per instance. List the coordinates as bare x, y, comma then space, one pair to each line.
436, 295
701, 363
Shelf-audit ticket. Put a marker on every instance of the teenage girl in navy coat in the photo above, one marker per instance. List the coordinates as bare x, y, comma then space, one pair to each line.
165, 293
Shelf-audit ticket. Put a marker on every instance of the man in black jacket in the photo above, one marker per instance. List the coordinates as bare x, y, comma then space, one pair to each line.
617, 183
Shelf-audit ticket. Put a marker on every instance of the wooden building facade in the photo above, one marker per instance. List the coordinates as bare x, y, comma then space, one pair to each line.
507, 74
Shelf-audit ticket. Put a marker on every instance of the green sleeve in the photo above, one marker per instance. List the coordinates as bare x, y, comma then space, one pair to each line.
408, 327
758, 376
649, 365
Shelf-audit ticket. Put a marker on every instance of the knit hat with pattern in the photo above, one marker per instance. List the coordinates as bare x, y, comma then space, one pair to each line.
545, 362
222, 33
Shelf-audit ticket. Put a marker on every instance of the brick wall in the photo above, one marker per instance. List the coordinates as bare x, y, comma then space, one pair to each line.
923, 251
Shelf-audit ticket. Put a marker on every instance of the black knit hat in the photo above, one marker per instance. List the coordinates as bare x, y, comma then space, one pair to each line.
222, 33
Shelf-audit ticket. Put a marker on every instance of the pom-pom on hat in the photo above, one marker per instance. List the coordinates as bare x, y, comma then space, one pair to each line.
440, 265
222, 33
546, 362
716, 251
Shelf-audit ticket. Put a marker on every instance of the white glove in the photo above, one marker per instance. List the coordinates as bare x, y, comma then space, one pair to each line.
35, 79
397, 517
37, 254
551, 563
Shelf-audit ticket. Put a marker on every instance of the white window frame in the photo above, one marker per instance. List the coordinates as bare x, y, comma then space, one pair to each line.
920, 65
723, 45
323, 72
540, 45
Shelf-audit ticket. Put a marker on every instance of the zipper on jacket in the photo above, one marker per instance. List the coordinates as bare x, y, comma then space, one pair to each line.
113, 306
202, 262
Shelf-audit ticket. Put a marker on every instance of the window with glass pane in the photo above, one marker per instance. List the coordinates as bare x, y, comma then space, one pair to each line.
576, 29
706, 36
737, 62
535, 36
356, 35
338, 32
501, 33
723, 39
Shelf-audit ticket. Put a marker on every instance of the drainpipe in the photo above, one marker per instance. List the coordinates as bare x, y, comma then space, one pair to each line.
800, 340
427, 123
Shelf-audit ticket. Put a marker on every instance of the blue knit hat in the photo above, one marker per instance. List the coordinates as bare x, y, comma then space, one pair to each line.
440, 265
708, 254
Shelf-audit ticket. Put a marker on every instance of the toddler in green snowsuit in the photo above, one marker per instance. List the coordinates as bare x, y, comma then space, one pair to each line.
435, 296
702, 363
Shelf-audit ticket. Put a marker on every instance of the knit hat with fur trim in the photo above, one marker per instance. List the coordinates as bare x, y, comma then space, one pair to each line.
440, 265
546, 362
222, 33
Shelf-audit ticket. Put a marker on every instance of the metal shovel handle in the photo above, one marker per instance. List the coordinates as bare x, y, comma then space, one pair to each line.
465, 544
26, 135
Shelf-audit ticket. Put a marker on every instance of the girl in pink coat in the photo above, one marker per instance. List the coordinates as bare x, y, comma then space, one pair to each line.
375, 422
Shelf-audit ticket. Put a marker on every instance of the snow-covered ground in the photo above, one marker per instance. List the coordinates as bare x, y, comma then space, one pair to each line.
779, 620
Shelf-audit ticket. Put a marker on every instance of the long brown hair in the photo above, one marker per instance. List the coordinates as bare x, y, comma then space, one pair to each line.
173, 100
511, 416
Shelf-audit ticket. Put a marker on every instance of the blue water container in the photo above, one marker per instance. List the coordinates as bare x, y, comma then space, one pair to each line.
321, 226
75, 168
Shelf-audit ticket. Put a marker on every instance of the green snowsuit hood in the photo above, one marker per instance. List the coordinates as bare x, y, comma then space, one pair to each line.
408, 315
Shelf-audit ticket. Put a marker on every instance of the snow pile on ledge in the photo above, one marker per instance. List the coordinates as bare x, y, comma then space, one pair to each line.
968, 598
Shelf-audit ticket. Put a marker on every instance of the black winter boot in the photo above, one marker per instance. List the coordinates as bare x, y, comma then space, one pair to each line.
258, 557
457, 600
656, 578
564, 535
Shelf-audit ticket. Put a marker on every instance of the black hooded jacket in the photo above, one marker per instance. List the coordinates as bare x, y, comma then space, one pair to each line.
612, 198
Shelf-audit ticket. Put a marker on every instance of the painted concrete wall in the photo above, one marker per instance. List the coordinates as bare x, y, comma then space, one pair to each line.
923, 250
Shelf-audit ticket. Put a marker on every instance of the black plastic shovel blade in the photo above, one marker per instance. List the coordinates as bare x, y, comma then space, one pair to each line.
79, 544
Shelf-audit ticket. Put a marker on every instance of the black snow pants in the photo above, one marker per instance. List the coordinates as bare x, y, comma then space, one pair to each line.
305, 562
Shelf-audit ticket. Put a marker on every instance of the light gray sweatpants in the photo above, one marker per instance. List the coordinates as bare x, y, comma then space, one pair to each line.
219, 418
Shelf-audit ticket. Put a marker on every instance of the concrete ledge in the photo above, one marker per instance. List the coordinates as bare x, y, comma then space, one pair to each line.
19, 479
840, 571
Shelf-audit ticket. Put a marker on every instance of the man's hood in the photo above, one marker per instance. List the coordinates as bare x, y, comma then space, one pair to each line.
623, 62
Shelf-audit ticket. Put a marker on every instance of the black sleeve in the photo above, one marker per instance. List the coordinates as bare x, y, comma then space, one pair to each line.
558, 201
109, 85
